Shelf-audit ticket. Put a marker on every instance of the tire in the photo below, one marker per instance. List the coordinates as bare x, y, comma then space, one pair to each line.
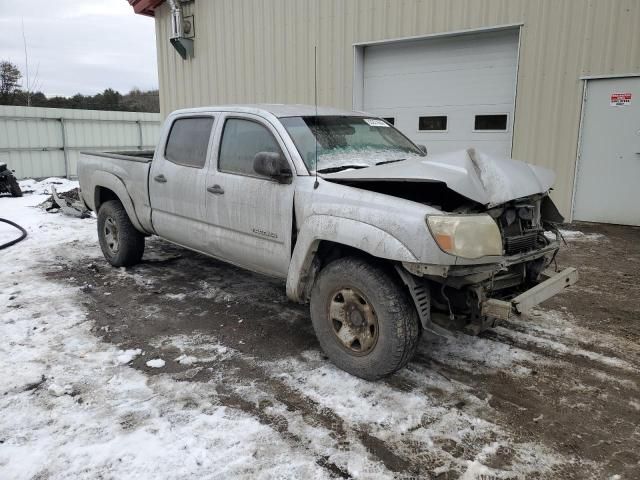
352, 293
14, 187
121, 244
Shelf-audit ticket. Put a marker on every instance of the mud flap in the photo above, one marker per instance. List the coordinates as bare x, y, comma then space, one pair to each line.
520, 305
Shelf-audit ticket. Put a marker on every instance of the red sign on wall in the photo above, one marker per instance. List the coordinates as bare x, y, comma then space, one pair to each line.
620, 99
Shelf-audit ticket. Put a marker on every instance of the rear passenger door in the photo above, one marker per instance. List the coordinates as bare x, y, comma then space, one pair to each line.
253, 215
177, 182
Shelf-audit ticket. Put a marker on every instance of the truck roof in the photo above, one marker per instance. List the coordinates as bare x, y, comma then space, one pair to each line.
279, 110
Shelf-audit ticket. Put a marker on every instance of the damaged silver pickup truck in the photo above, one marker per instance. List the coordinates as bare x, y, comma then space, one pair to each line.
381, 239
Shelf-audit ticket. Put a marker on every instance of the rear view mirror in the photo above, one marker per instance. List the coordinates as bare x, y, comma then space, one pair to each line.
423, 148
272, 165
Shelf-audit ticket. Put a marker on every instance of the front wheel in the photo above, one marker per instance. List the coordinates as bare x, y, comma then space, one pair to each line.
363, 319
121, 244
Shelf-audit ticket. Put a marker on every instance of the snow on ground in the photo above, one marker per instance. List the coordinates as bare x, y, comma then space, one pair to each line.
73, 406
70, 408
576, 236
43, 187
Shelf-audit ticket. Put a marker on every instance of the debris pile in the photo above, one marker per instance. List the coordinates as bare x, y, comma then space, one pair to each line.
68, 202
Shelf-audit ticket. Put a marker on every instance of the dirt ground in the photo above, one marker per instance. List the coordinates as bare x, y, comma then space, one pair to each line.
559, 389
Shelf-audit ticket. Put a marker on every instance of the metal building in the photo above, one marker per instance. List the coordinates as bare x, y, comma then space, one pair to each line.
555, 83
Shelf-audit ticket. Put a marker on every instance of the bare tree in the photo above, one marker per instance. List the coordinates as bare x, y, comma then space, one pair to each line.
9, 77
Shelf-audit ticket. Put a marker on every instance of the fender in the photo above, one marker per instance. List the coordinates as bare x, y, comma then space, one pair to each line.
345, 231
113, 183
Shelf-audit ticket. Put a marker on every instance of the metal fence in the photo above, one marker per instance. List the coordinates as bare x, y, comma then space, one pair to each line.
45, 142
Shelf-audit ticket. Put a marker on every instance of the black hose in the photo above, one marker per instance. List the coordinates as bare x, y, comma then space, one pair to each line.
19, 239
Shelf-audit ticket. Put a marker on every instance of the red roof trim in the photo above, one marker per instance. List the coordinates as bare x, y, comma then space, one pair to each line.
145, 7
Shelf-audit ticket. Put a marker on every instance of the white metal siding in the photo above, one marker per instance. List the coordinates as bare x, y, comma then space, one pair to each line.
456, 77
32, 141
262, 51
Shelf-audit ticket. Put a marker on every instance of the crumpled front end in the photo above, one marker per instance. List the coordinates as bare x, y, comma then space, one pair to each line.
471, 295
494, 227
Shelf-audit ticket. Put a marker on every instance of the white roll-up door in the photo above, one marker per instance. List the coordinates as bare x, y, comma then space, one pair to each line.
448, 92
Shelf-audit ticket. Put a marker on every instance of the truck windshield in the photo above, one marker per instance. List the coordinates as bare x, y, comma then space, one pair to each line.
347, 142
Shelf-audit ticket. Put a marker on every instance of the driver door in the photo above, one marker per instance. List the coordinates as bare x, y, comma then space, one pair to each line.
252, 214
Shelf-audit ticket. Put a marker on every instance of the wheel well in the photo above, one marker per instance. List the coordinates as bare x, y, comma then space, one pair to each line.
328, 251
103, 194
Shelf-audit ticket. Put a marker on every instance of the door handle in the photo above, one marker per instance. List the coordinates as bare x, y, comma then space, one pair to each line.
160, 178
216, 190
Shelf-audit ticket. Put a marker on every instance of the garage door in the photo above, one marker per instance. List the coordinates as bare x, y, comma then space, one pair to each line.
608, 179
446, 93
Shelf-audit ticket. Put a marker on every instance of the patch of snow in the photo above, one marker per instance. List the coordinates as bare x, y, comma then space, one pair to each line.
176, 296
562, 324
59, 390
126, 356
415, 420
156, 363
186, 359
566, 349
196, 347
576, 236
43, 187
473, 354
109, 421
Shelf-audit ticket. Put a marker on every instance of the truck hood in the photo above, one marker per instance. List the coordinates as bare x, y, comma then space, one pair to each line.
479, 177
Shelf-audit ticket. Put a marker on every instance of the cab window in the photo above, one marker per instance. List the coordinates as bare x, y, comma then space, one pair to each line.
241, 141
188, 141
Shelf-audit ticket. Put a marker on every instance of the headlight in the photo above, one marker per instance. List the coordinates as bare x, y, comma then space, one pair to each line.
468, 236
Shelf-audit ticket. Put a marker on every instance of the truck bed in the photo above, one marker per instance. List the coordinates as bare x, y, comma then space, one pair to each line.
124, 174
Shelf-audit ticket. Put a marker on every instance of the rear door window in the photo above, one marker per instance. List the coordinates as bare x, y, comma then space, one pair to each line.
188, 141
241, 141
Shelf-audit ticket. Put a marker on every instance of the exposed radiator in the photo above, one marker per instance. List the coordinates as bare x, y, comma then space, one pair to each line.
521, 243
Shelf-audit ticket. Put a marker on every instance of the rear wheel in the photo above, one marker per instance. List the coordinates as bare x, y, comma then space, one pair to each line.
363, 319
121, 244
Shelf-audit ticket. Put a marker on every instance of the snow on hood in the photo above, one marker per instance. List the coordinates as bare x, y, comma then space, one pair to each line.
482, 178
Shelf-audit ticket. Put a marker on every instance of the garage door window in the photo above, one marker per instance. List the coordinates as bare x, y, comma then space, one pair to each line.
241, 141
390, 120
188, 141
433, 123
491, 123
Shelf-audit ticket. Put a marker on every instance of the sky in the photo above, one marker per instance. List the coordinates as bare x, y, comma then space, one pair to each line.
79, 46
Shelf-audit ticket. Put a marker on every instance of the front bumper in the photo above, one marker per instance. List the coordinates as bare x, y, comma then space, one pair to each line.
520, 305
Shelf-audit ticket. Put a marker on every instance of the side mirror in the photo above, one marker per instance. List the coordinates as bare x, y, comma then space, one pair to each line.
272, 165
423, 148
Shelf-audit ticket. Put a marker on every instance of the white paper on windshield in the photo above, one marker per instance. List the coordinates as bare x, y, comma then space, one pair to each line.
374, 122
